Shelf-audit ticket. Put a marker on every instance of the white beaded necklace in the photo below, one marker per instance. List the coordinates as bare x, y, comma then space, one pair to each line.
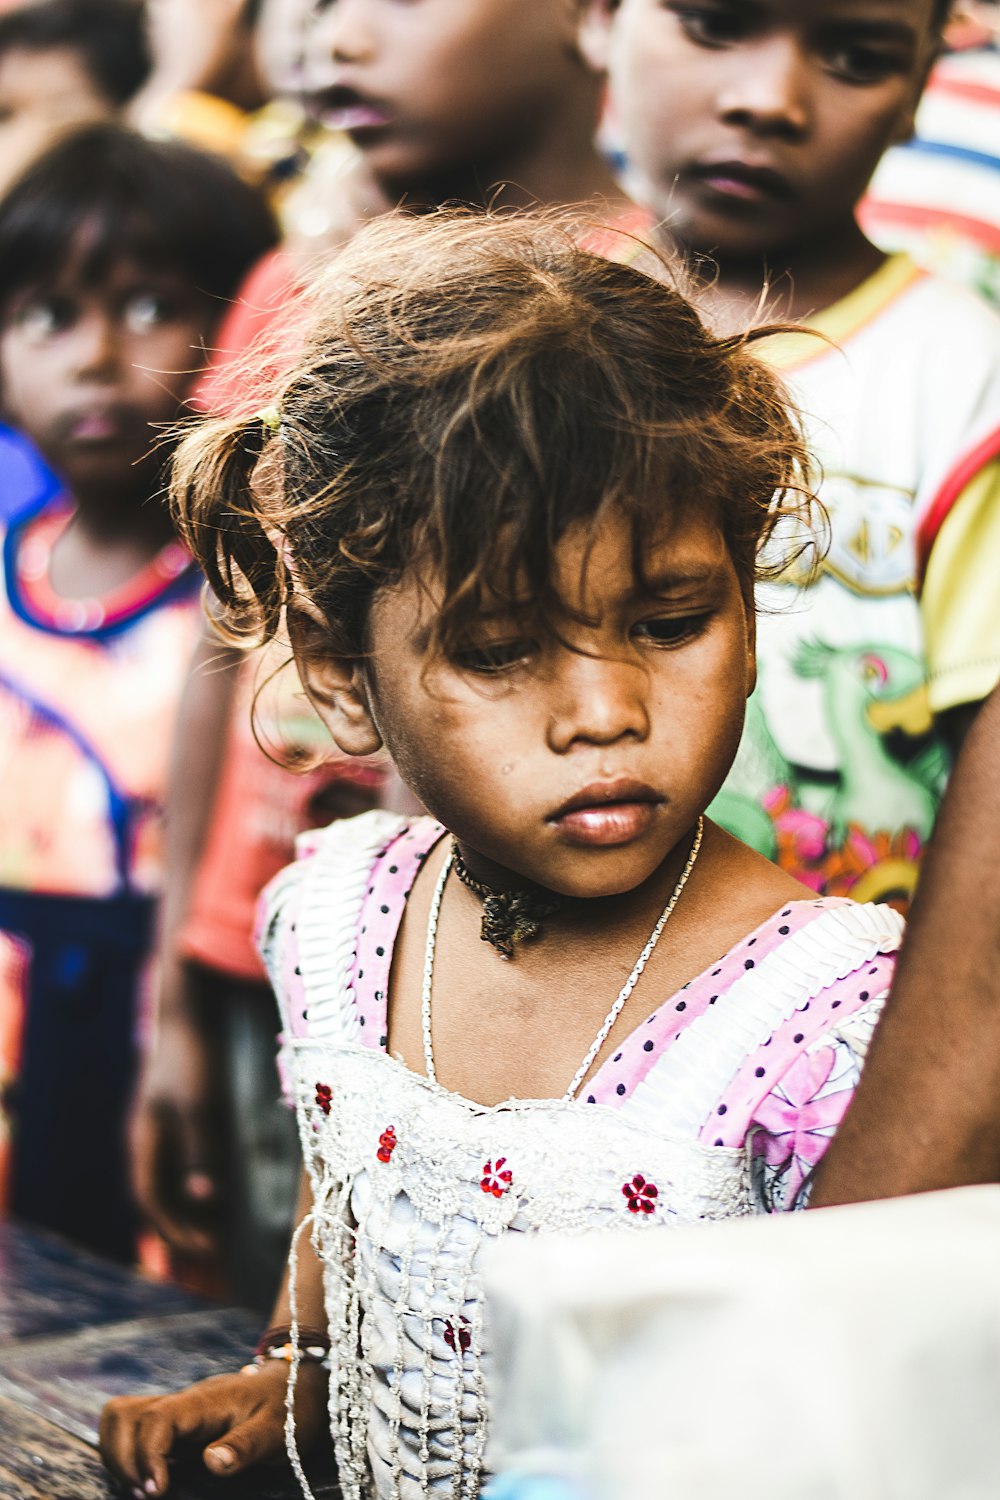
623, 994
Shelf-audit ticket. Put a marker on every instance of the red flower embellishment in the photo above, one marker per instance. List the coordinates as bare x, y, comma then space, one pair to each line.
324, 1097
641, 1195
458, 1337
386, 1144
497, 1177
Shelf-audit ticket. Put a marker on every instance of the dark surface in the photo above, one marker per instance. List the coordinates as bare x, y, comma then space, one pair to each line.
75, 1331
47, 1287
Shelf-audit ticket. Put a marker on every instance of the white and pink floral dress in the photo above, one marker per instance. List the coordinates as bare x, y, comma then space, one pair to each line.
720, 1103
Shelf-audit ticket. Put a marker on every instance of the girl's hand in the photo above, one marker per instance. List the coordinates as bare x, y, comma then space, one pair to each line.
241, 1419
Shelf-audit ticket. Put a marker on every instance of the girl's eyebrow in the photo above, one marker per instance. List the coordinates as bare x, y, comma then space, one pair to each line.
674, 579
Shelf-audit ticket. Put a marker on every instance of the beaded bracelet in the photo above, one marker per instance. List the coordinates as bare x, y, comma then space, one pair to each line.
276, 1343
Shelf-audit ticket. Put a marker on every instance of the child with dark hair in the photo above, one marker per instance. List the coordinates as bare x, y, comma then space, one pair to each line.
64, 63
511, 505
116, 257
756, 128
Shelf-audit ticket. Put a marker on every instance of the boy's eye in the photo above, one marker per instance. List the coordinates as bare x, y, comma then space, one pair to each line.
672, 630
711, 25
145, 310
857, 62
43, 317
493, 656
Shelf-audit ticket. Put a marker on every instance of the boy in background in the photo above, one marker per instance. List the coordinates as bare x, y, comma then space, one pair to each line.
756, 128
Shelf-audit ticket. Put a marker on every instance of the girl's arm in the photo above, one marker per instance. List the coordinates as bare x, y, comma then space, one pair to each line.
238, 1420
927, 1111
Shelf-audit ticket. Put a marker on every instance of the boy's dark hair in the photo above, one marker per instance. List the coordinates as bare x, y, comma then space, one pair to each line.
159, 203
108, 35
472, 387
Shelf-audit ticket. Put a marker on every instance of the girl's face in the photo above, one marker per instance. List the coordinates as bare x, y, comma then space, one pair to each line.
87, 371
427, 87
758, 123
578, 764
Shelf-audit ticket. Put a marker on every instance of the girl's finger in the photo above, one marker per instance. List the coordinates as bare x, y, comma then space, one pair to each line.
117, 1440
156, 1435
255, 1441
198, 1413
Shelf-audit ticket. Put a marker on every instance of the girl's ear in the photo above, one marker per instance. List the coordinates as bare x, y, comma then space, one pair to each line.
336, 688
594, 32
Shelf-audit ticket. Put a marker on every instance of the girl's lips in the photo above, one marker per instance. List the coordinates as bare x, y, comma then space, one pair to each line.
606, 824
342, 108
354, 117
98, 426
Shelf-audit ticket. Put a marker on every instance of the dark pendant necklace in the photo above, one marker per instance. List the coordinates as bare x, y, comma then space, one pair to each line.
509, 917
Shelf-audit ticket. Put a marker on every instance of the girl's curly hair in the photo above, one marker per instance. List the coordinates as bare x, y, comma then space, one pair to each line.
471, 386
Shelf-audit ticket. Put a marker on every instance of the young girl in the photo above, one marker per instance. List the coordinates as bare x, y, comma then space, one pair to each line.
115, 257
510, 506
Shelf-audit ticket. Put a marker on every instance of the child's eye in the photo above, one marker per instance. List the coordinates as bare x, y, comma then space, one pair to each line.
145, 310
858, 63
492, 657
43, 317
711, 26
672, 630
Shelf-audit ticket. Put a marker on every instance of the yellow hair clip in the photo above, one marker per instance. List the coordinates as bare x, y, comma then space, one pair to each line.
270, 419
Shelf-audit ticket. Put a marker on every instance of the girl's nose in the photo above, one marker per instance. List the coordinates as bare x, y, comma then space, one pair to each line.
339, 32
597, 701
768, 90
97, 347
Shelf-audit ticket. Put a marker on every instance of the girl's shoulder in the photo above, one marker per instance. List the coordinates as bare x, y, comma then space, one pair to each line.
308, 916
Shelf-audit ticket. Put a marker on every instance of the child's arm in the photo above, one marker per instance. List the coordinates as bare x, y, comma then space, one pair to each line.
172, 1166
241, 1418
927, 1111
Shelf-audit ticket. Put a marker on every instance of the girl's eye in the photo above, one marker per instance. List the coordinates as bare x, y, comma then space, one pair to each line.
43, 317
145, 310
711, 26
493, 657
672, 630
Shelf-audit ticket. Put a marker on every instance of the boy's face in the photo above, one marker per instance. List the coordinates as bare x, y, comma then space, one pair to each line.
86, 371
426, 88
757, 123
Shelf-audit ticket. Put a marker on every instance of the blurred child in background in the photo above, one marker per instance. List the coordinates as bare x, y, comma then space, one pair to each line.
115, 257
756, 130
64, 63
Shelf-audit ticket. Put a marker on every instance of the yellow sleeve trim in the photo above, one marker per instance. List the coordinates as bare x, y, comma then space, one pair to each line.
843, 319
960, 600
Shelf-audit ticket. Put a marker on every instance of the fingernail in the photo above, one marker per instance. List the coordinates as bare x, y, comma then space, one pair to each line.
152, 1488
199, 1185
138, 1494
224, 1457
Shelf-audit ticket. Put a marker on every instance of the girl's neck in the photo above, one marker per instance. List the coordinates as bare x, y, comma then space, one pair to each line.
105, 545
738, 294
635, 909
